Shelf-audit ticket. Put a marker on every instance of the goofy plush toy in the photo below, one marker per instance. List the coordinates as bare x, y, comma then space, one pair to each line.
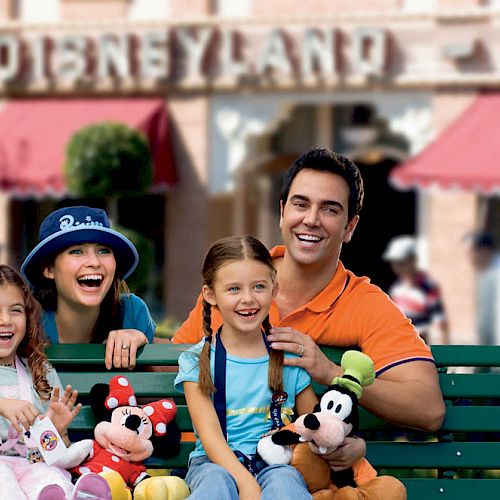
322, 432
127, 434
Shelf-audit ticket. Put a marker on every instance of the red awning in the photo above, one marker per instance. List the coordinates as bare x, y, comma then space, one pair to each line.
466, 155
34, 134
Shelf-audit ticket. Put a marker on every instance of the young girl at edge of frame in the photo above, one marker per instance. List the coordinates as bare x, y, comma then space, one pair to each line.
26, 383
77, 273
240, 280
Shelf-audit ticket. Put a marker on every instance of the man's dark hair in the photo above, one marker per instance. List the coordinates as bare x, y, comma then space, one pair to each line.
325, 160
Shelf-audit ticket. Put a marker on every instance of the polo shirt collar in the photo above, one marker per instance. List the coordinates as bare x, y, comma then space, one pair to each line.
327, 297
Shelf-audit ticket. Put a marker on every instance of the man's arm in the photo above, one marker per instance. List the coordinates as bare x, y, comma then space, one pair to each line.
406, 394
407, 390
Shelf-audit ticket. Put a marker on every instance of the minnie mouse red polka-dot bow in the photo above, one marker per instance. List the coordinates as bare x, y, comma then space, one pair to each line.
160, 413
120, 393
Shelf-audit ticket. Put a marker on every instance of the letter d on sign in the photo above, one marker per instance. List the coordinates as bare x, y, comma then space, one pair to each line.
9, 57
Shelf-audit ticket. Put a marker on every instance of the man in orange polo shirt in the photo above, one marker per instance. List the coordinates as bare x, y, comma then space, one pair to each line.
320, 302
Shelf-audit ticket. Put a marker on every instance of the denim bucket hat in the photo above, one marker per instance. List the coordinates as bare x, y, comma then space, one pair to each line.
70, 226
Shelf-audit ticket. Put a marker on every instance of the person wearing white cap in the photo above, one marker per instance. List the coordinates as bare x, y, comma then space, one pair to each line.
414, 292
77, 270
486, 262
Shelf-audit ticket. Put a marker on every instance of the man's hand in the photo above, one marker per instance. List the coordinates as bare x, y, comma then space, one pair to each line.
321, 369
18, 412
62, 410
347, 454
121, 348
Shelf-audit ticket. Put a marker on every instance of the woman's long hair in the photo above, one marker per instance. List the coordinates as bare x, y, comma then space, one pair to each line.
220, 253
34, 342
110, 312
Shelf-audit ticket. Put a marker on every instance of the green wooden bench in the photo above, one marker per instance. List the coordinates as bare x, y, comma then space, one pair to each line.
461, 460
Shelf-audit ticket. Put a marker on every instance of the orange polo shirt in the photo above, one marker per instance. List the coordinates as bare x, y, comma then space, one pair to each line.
348, 312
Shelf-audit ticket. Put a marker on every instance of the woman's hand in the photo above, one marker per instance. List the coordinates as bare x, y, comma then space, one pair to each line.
249, 489
321, 369
18, 412
121, 348
347, 454
62, 410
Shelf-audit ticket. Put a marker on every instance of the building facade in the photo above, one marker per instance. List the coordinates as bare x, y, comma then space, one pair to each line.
248, 86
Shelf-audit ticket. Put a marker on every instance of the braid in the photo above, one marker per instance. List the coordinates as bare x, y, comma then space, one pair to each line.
275, 374
207, 319
205, 377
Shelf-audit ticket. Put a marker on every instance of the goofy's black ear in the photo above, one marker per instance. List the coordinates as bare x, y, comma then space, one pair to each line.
168, 445
98, 395
285, 438
354, 419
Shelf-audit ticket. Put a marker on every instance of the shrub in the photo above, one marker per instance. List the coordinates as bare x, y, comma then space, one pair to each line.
108, 159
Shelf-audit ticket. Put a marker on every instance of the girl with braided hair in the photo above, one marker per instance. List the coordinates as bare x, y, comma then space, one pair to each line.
237, 388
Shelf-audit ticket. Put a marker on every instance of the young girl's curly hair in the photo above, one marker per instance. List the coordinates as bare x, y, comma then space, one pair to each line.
34, 342
221, 252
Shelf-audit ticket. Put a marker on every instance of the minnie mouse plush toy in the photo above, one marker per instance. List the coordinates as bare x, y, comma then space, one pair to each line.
127, 434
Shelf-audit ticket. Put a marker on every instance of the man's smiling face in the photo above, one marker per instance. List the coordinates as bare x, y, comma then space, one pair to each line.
314, 220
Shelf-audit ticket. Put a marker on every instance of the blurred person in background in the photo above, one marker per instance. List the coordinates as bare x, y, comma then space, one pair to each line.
486, 262
414, 292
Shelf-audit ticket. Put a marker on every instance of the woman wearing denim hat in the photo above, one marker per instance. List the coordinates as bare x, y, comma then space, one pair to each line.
77, 270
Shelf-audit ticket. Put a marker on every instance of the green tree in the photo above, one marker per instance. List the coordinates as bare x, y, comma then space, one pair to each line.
105, 160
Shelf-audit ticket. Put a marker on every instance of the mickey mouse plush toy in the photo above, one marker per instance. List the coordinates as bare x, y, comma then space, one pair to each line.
127, 434
322, 432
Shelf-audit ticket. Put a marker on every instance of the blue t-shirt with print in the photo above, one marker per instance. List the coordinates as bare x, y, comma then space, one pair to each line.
248, 395
135, 315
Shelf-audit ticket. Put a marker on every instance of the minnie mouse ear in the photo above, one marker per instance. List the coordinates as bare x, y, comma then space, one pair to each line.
120, 393
160, 413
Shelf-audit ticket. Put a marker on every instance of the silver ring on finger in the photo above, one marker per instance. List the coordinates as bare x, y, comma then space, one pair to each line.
125, 346
301, 350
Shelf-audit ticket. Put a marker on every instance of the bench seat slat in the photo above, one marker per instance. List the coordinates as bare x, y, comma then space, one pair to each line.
93, 354
458, 419
453, 489
470, 385
146, 384
398, 456
161, 384
468, 355
472, 419
431, 455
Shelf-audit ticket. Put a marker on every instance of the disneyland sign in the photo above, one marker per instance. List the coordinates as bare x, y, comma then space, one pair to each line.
197, 55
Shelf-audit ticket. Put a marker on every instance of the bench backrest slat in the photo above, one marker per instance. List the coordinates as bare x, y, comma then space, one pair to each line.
430, 455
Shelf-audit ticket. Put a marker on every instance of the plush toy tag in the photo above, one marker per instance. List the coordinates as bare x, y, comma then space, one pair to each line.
48, 440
